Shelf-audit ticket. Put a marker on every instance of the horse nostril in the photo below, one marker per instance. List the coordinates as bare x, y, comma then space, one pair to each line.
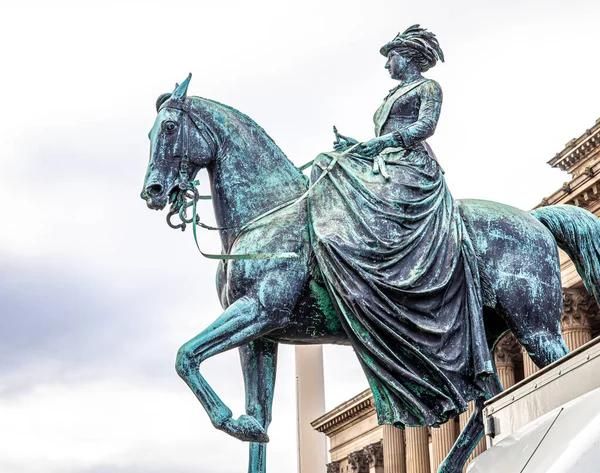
154, 190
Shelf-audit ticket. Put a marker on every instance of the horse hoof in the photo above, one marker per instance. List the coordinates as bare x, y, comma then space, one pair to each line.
247, 429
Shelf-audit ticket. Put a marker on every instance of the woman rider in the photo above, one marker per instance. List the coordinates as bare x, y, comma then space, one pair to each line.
395, 253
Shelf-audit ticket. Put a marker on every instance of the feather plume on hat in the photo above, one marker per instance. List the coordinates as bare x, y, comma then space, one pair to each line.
417, 40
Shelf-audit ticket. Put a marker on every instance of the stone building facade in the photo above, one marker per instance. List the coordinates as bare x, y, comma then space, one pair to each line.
359, 445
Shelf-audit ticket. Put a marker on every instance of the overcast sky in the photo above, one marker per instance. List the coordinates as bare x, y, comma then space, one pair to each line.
97, 293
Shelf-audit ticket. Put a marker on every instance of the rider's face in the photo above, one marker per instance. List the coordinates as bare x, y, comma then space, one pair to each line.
396, 64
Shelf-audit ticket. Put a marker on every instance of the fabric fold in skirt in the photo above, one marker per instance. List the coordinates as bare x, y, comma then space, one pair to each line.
402, 271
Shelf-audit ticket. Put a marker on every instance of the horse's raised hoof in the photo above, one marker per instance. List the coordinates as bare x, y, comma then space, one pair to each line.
246, 428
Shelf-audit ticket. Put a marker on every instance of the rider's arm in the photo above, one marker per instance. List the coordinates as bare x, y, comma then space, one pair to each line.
430, 95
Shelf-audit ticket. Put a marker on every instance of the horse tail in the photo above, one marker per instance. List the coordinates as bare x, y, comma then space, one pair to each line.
577, 233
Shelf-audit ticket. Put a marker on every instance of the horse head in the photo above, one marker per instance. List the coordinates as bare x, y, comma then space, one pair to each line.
180, 145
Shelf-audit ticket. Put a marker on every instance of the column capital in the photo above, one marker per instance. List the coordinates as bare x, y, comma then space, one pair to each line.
578, 308
358, 462
507, 350
374, 454
333, 467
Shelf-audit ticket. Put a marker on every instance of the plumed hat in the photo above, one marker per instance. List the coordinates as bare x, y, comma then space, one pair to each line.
420, 41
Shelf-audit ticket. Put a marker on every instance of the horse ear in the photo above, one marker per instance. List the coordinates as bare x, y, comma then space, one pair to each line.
162, 99
180, 91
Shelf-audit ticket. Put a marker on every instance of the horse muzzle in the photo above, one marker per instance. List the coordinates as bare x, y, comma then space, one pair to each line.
155, 196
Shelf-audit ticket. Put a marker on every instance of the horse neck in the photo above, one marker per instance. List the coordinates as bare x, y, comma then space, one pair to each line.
250, 175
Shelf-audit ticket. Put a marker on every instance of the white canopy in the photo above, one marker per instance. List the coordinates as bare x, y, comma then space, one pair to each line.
566, 440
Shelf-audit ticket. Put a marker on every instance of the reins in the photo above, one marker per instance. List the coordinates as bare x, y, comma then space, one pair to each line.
188, 190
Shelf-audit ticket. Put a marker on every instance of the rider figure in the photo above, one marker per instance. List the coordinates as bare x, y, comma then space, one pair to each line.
410, 111
396, 255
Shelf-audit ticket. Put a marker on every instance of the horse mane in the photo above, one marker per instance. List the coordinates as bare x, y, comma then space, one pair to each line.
248, 122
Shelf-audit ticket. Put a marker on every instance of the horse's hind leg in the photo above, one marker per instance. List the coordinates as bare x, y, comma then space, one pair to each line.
544, 347
537, 328
259, 364
243, 321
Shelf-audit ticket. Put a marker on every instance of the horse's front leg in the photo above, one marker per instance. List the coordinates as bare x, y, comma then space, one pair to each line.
244, 321
259, 365
472, 433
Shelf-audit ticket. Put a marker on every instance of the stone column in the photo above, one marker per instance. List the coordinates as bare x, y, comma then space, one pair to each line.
529, 367
505, 353
417, 450
393, 450
374, 455
578, 308
442, 440
310, 404
480, 448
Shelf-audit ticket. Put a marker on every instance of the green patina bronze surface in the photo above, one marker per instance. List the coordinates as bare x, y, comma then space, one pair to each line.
372, 251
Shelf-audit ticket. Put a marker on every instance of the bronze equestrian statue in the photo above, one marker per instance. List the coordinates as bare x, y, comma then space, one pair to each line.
371, 251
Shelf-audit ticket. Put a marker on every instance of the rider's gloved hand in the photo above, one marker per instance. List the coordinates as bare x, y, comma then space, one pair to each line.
343, 142
376, 145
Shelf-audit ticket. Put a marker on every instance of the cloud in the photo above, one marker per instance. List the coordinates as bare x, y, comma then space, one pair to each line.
60, 323
108, 426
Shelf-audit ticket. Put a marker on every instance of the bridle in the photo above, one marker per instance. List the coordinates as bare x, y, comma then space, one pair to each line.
188, 195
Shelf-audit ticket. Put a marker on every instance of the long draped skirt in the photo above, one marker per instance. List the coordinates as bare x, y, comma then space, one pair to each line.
402, 271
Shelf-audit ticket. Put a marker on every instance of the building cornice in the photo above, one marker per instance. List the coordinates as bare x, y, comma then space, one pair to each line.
349, 412
577, 150
582, 191
581, 159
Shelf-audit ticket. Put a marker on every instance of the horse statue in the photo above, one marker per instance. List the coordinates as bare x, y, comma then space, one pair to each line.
270, 285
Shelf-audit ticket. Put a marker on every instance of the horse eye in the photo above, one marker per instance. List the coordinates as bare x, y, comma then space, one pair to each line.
169, 126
